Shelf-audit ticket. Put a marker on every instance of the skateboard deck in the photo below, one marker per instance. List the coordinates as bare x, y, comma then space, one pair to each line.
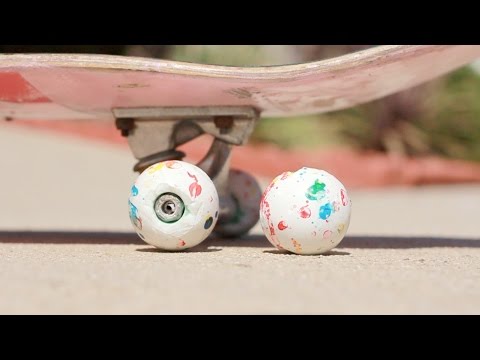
69, 86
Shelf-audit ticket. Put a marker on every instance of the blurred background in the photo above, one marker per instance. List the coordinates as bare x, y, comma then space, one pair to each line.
440, 118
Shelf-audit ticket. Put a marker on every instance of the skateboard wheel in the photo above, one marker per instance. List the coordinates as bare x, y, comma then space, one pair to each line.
173, 205
305, 212
246, 194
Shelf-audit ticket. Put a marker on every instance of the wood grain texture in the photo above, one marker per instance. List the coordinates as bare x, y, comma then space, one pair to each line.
70, 86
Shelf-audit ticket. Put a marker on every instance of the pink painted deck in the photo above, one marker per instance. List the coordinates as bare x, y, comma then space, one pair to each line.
65, 86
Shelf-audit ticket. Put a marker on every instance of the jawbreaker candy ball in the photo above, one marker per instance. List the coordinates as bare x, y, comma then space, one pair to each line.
305, 212
173, 205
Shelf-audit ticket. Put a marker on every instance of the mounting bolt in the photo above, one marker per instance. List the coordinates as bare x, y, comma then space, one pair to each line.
125, 125
224, 123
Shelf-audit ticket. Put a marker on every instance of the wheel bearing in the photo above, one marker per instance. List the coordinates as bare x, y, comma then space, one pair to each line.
169, 207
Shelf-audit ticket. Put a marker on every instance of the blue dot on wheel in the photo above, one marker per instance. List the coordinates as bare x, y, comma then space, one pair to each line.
208, 223
134, 191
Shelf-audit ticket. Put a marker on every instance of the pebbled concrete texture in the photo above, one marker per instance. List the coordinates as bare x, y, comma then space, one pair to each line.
66, 247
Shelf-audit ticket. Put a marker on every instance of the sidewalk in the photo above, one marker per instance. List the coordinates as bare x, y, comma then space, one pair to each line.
66, 246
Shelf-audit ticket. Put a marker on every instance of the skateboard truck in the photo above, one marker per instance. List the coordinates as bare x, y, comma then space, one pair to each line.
155, 133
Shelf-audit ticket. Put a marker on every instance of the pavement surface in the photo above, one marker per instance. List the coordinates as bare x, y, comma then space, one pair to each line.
67, 247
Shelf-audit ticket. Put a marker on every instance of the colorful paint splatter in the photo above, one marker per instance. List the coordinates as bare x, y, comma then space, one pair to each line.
316, 191
265, 209
134, 191
325, 211
195, 188
282, 226
343, 194
134, 216
297, 246
208, 223
156, 167
305, 212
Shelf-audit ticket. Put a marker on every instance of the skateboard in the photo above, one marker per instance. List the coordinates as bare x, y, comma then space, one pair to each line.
159, 105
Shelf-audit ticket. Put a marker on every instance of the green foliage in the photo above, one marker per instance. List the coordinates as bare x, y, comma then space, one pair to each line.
231, 55
453, 122
449, 125
302, 132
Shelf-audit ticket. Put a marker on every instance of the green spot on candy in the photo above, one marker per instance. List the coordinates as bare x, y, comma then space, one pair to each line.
316, 191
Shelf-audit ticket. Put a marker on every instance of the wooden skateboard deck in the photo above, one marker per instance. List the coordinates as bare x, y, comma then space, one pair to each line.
68, 86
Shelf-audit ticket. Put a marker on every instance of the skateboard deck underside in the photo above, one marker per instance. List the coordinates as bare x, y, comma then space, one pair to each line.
65, 86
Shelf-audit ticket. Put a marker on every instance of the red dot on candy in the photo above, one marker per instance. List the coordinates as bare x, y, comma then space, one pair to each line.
305, 212
282, 225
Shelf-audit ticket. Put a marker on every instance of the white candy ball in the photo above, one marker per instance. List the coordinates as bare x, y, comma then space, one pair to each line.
183, 195
305, 212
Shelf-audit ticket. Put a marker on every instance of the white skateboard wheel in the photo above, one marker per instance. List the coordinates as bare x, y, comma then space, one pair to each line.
246, 194
173, 205
305, 212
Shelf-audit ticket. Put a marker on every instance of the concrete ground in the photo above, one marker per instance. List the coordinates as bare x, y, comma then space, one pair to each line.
66, 247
